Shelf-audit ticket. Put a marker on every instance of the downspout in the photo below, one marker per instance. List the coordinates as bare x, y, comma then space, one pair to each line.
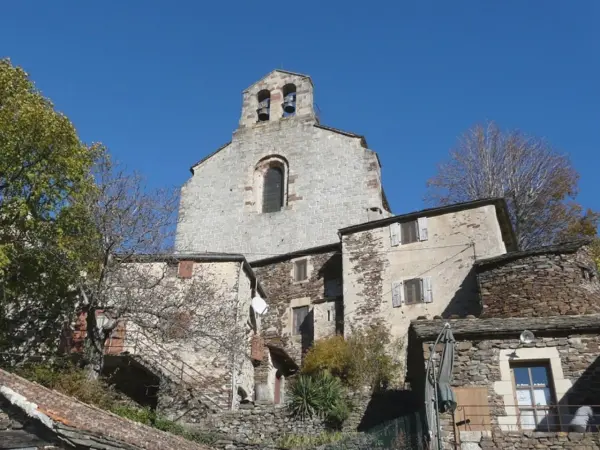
233, 356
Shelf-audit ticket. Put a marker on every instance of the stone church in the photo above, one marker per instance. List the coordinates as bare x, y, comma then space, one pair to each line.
283, 183
304, 204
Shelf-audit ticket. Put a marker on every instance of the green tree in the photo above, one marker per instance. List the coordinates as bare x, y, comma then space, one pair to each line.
44, 168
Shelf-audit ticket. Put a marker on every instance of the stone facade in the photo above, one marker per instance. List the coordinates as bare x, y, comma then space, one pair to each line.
331, 180
557, 280
321, 292
475, 440
445, 253
487, 350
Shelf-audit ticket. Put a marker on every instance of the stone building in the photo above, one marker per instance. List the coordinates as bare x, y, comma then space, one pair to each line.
283, 183
514, 391
308, 300
548, 281
189, 321
421, 263
512, 394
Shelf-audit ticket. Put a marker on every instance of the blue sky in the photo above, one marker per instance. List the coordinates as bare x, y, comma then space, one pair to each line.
160, 82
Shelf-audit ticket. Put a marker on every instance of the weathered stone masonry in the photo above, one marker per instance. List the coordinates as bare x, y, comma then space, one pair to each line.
570, 344
552, 281
321, 292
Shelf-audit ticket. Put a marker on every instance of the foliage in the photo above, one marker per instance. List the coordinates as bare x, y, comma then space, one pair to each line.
586, 228
321, 395
73, 381
332, 354
363, 359
44, 172
539, 184
292, 441
70, 380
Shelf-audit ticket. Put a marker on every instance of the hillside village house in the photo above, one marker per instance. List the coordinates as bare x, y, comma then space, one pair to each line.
505, 385
295, 212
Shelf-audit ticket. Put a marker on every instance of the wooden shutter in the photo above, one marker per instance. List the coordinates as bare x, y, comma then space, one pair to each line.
423, 233
186, 269
273, 190
397, 294
426, 289
395, 234
473, 411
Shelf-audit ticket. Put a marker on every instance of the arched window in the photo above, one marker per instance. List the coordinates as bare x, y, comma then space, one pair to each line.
264, 105
273, 190
289, 100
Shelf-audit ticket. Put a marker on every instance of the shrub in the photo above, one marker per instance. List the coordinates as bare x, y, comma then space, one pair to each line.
319, 396
291, 441
70, 380
363, 359
331, 354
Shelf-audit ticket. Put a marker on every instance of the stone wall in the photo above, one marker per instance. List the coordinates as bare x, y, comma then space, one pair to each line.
332, 181
572, 358
372, 266
277, 277
474, 440
260, 424
560, 280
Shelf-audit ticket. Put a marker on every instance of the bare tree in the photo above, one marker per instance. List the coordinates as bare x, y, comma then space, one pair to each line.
539, 184
128, 275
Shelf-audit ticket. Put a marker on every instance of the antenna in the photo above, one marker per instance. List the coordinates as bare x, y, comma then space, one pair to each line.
526, 337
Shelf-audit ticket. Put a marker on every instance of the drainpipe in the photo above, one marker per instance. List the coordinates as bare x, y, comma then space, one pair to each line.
233, 356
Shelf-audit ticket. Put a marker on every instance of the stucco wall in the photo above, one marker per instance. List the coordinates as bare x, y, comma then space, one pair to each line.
371, 264
541, 284
331, 182
213, 336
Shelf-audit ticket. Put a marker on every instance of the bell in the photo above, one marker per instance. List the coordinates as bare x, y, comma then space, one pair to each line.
289, 103
263, 110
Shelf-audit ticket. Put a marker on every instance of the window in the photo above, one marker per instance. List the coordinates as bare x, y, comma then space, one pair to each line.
289, 100
300, 270
409, 232
299, 316
273, 190
533, 395
413, 292
264, 105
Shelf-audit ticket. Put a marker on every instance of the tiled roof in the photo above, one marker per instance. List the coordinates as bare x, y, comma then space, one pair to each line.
79, 423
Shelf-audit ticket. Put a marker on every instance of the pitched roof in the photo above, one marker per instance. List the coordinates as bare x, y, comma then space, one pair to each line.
208, 156
564, 247
282, 71
499, 203
78, 423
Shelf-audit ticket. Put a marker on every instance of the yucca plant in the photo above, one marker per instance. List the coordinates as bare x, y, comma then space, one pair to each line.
321, 395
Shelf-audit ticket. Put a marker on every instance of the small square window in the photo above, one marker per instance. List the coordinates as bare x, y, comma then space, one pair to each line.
413, 292
300, 270
299, 317
410, 232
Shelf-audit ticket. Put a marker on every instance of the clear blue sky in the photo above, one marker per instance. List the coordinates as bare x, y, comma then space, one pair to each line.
160, 82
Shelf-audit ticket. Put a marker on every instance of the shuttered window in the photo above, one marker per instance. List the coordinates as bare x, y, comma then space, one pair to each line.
409, 232
299, 316
300, 270
273, 190
413, 292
